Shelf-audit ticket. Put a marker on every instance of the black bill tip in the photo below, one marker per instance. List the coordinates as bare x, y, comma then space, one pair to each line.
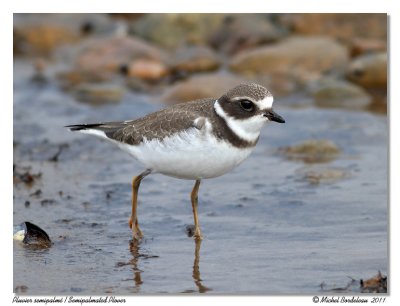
272, 116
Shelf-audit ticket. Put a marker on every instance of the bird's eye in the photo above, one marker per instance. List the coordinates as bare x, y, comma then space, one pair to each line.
247, 105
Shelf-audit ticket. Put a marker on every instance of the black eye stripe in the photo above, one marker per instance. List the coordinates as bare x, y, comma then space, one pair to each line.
247, 105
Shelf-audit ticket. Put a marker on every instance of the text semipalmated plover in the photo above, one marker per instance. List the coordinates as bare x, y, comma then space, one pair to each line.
194, 140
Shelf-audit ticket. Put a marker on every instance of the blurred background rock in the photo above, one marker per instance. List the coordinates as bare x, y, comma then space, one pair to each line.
330, 60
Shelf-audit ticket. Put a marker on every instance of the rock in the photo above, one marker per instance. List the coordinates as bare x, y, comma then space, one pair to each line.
126, 16
332, 93
360, 46
175, 30
148, 70
40, 40
369, 71
312, 151
200, 86
194, 59
319, 174
41, 34
140, 85
298, 56
70, 79
242, 31
20, 289
77, 23
278, 84
340, 26
110, 54
98, 94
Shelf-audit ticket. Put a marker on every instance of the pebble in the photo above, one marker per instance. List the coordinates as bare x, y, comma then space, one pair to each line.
369, 70
99, 94
344, 27
334, 93
200, 86
194, 59
312, 151
148, 70
40, 40
172, 31
298, 56
103, 58
243, 31
318, 174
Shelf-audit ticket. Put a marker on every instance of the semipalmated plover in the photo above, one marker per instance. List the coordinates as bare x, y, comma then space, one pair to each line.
195, 140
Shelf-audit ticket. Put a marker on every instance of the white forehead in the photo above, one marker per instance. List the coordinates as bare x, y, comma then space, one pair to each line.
266, 102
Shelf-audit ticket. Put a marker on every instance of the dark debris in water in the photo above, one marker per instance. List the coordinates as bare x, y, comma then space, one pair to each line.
23, 175
46, 202
376, 284
43, 149
20, 289
56, 156
36, 193
189, 230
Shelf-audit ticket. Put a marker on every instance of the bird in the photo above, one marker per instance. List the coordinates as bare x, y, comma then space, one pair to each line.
196, 140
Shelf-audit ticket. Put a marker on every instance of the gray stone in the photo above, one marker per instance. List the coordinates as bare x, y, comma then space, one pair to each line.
332, 93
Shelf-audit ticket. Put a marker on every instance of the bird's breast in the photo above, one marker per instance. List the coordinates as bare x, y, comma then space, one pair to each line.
190, 154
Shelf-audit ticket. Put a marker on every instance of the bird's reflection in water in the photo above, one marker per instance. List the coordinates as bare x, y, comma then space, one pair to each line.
196, 270
134, 249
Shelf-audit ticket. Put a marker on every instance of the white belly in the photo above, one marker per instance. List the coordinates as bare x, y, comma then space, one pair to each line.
193, 154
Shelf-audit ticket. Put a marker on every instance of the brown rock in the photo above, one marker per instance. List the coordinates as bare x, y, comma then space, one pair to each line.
278, 84
332, 93
341, 26
201, 86
148, 70
194, 59
312, 151
71, 79
298, 56
175, 30
319, 174
99, 94
126, 16
369, 71
360, 46
100, 55
242, 31
41, 40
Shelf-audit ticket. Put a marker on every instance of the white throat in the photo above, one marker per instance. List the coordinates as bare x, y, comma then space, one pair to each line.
247, 129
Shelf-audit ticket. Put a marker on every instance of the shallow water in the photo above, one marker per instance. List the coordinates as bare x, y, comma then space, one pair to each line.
267, 231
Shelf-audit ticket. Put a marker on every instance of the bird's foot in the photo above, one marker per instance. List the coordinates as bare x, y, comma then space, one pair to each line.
137, 233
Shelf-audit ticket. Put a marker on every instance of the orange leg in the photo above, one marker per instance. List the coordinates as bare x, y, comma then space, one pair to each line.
133, 220
194, 198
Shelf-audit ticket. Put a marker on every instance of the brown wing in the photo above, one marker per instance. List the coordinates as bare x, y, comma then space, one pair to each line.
153, 126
